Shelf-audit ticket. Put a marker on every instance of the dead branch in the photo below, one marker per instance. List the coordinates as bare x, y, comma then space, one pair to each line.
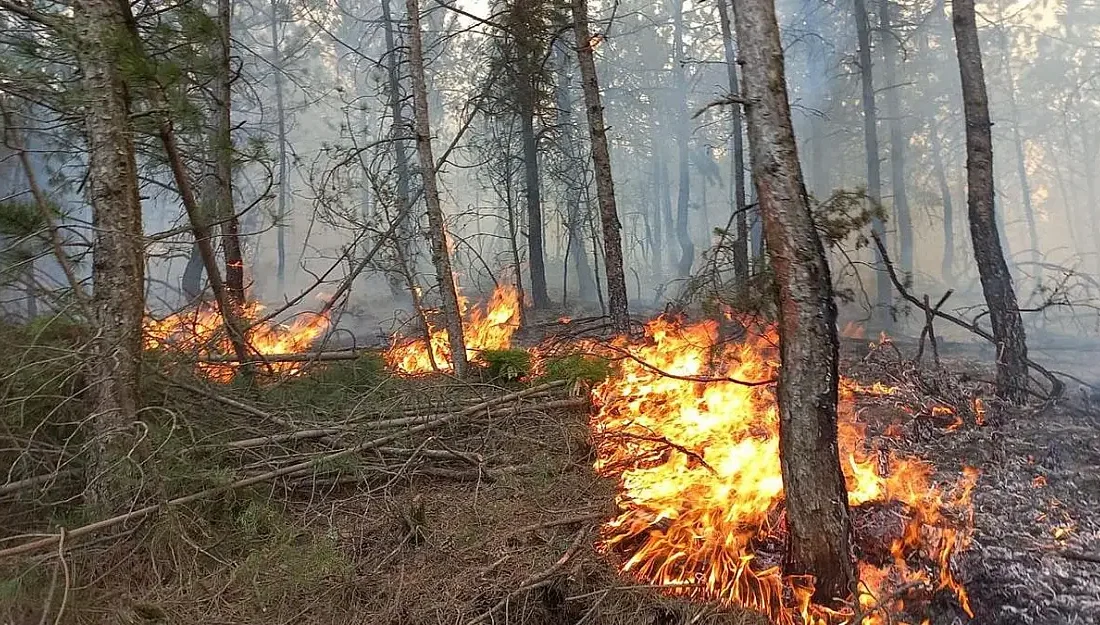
726, 101
929, 329
18, 485
140, 513
299, 357
256, 412
1056, 385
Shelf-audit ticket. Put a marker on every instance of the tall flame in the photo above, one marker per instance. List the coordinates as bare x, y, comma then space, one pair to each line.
201, 330
485, 328
700, 496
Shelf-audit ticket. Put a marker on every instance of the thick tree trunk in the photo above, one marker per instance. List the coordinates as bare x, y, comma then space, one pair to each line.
883, 288
118, 265
898, 139
683, 141
222, 140
402, 234
586, 286
601, 160
535, 251
280, 143
948, 263
741, 251
816, 499
1004, 314
437, 228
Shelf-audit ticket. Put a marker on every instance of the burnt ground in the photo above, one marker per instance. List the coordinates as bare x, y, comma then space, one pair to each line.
497, 524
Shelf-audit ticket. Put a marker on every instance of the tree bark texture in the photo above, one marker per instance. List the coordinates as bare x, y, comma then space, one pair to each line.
1004, 314
741, 251
683, 145
222, 142
883, 288
816, 499
441, 257
898, 139
535, 248
586, 286
118, 265
601, 160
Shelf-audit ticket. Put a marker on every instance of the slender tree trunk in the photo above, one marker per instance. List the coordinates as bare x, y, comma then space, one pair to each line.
118, 261
280, 143
401, 235
741, 251
946, 268
884, 294
683, 139
898, 139
657, 261
816, 499
1004, 315
601, 160
535, 251
437, 228
586, 286
222, 140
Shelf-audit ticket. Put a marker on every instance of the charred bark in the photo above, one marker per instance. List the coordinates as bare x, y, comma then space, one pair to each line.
601, 160
222, 143
816, 499
897, 138
883, 290
741, 251
437, 228
118, 265
1004, 314
535, 248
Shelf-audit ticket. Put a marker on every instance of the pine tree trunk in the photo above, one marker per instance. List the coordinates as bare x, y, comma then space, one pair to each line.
683, 139
118, 262
601, 160
222, 140
281, 144
816, 499
883, 288
948, 264
741, 251
437, 228
1004, 314
586, 286
535, 251
1018, 140
898, 139
402, 234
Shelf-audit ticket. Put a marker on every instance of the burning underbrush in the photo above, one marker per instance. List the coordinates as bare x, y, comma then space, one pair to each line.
488, 327
688, 428
200, 330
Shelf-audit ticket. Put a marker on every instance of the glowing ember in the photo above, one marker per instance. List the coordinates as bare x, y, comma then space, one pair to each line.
485, 328
701, 492
201, 331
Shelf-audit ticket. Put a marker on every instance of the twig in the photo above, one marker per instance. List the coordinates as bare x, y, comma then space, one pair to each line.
141, 513
537, 580
68, 582
730, 99
19, 485
1057, 386
929, 330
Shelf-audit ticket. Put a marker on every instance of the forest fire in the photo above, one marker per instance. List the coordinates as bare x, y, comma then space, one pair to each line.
201, 330
485, 328
701, 492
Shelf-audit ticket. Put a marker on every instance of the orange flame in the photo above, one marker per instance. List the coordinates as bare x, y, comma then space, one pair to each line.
201, 331
700, 488
485, 328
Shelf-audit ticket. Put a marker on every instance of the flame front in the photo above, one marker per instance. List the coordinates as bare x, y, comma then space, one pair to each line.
700, 496
201, 331
484, 328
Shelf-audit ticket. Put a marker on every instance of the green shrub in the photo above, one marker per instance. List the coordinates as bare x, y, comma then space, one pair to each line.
506, 364
578, 368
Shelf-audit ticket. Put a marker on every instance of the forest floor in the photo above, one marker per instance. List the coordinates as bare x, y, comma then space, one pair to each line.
481, 506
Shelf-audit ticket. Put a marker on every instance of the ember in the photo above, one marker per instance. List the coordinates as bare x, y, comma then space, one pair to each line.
701, 492
485, 328
200, 330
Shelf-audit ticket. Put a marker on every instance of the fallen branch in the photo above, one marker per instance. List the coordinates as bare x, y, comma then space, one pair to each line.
141, 513
299, 357
1056, 385
256, 412
18, 485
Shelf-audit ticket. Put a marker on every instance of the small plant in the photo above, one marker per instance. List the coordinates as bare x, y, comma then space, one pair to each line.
506, 364
578, 368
